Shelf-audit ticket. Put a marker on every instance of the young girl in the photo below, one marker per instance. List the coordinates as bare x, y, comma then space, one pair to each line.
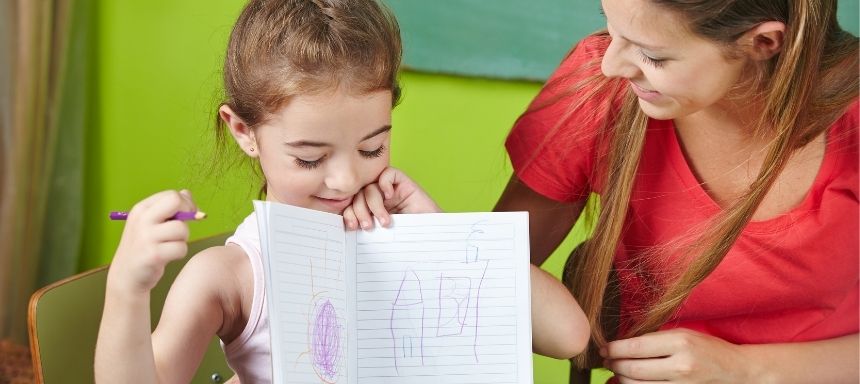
310, 86
721, 137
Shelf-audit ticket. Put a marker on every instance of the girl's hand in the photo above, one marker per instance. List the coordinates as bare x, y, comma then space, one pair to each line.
676, 356
394, 192
150, 240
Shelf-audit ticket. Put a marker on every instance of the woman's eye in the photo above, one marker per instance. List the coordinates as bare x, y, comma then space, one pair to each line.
657, 63
374, 153
309, 164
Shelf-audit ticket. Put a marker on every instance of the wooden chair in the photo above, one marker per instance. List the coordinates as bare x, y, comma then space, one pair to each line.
63, 322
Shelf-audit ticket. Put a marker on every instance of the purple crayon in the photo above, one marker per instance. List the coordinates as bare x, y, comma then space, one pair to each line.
184, 215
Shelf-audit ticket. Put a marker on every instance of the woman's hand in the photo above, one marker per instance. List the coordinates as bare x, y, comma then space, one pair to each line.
150, 240
393, 192
676, 356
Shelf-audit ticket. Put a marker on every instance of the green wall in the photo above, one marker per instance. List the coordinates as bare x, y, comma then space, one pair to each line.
157, 73
156, 80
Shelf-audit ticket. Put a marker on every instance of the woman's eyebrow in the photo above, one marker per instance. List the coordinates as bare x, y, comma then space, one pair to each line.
645, 45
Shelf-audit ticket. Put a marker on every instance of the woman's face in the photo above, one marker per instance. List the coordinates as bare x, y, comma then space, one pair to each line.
673, 72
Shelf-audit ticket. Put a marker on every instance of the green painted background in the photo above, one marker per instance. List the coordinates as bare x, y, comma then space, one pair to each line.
156, 78
513, 39
157, 72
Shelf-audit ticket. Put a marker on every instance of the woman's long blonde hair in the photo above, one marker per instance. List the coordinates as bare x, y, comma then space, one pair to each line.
804, 89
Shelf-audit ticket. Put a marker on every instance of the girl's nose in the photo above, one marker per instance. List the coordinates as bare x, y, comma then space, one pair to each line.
342, 177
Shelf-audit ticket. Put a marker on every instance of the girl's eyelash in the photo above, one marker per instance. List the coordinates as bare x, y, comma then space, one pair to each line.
309, 164
657, 63
312, 164
374, 153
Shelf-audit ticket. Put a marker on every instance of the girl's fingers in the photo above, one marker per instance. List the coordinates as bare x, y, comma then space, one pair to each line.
349, 219
171, 230
362, 213
373, 198
172, 250
186, 195
161, 206
387, 180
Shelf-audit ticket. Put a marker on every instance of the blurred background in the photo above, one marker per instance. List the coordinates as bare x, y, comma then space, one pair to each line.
105, 102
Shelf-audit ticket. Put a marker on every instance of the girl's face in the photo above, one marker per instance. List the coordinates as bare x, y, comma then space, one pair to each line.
673, 72
318, 151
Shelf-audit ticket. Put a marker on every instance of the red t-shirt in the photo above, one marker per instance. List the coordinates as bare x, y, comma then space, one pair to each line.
790, 278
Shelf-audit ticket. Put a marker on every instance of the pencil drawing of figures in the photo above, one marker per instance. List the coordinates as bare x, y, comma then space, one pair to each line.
443, 311
407, 322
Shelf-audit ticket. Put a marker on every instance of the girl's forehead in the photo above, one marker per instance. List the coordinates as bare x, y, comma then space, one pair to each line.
332, 115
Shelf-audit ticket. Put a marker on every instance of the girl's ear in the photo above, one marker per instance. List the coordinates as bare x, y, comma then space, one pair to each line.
243, 134
764, 40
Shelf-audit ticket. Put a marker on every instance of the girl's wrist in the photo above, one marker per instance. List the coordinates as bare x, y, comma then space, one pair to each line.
125, 286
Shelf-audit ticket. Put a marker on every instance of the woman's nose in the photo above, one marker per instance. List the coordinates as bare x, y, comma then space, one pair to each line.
616, 64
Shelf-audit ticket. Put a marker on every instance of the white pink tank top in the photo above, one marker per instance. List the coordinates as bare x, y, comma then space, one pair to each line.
250, 354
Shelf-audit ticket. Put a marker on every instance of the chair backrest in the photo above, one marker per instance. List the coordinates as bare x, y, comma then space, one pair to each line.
64, 317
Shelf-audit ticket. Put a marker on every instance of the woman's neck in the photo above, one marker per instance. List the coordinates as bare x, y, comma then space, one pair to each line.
725, 153
733, 120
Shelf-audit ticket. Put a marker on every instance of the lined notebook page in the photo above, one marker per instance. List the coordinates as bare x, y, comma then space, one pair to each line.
444, 298
306, 280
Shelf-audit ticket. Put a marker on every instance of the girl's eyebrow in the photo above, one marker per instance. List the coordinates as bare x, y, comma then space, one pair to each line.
383, 129
308, 143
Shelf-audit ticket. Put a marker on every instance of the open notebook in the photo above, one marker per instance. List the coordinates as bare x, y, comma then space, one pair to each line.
436, 298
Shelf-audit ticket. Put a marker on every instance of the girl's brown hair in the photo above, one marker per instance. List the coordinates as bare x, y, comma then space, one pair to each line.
804, 89
282, 48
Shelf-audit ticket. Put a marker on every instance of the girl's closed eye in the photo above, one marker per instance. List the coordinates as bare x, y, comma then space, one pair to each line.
309, 164
312, 164
374, 153
655, 62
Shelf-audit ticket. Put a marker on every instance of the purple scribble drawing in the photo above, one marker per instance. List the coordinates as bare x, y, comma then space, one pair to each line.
453, 313
407, 307
325, 341
324, 330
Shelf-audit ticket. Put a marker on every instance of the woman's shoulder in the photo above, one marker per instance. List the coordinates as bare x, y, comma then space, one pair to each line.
576, 98
844, 130
851, 118
583, 60
591, 47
